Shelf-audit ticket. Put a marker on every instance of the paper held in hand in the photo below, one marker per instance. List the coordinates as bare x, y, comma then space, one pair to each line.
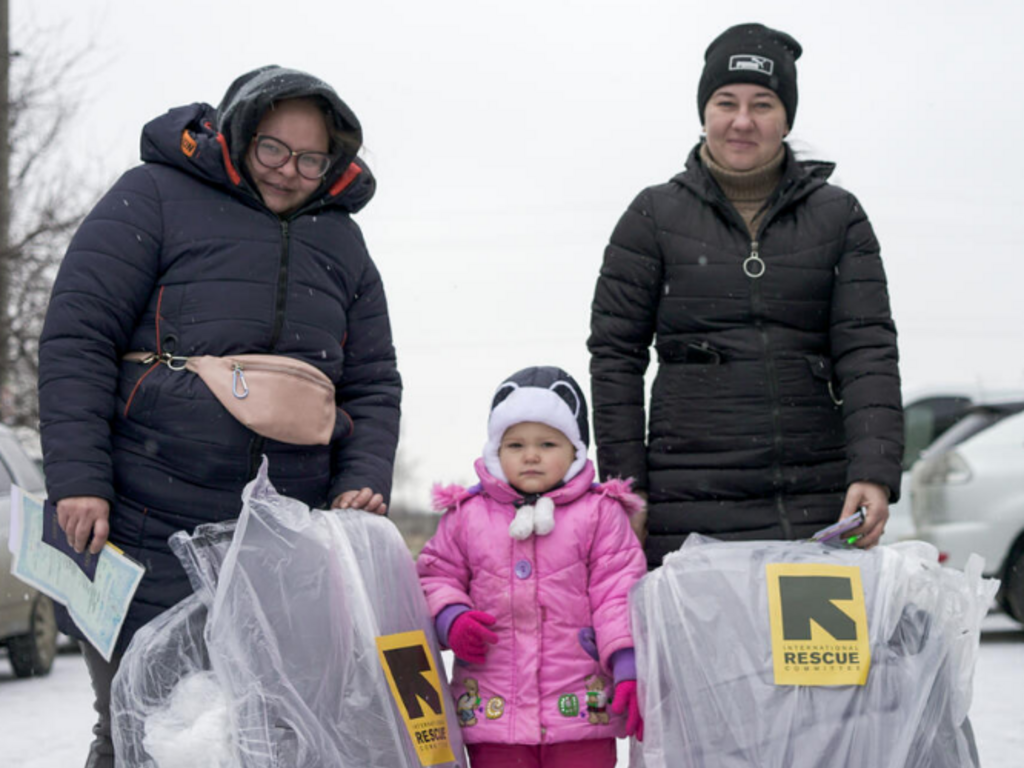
98, 605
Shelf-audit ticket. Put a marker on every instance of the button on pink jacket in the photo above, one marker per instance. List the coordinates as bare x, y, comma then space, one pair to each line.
537, 681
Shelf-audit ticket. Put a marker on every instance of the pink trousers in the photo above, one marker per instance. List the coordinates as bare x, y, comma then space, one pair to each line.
592, 753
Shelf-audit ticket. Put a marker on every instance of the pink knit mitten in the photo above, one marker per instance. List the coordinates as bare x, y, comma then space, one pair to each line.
468, 637
627, 702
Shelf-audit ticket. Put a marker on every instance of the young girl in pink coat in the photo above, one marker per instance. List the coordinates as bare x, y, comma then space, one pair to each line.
528, 578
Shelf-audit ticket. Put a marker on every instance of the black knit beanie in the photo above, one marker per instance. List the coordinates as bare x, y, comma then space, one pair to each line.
751, 53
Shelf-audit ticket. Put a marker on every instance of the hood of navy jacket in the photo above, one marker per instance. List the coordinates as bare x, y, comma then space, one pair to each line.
250, 96
187, 138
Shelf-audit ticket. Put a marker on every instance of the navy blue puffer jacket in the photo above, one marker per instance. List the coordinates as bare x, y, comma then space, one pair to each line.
182, 256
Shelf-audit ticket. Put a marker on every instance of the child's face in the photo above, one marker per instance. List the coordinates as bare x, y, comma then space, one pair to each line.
535, 457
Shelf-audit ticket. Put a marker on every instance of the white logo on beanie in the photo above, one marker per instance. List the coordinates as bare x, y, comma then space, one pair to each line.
751, 63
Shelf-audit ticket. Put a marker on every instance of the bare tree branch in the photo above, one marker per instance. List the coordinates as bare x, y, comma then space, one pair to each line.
45, 83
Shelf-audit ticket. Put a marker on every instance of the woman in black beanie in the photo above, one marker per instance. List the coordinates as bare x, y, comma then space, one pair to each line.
776, 406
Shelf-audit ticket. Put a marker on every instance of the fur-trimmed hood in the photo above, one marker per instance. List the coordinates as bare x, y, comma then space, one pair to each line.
444, 498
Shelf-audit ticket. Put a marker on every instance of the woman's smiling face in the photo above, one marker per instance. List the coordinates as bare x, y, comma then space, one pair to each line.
300, 125
745, 125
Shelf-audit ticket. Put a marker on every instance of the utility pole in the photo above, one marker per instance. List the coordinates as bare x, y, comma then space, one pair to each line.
5, 203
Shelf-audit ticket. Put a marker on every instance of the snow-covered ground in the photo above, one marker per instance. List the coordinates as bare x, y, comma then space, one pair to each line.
44, 722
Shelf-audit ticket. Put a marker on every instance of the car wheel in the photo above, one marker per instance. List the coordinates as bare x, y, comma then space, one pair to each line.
33, 654
1013, 580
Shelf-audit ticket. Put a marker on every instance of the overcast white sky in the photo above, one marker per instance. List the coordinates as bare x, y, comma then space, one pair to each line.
507, 139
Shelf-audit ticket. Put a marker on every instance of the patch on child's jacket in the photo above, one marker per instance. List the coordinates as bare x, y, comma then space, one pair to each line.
468, 703
597, 700
569, 705
495, 707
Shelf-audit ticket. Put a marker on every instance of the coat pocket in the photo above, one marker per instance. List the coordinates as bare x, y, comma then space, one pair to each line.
688, 352
821, 370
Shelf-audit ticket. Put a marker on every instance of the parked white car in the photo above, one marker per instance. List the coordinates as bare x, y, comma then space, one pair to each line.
967, 495
27, 625
927, 414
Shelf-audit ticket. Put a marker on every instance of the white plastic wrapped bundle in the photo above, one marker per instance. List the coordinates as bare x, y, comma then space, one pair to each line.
709, 698
288, 605
165, 652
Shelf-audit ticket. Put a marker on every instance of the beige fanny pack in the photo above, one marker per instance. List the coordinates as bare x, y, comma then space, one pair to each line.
275, 396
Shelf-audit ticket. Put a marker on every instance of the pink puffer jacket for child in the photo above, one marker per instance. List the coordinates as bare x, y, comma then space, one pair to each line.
538, 685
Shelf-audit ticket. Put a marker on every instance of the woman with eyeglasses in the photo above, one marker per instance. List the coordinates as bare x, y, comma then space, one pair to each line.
776, 406
234, 236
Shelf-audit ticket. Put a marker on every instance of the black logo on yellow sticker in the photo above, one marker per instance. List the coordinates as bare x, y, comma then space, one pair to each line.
416, 688
188, 143
819, 624
810, 598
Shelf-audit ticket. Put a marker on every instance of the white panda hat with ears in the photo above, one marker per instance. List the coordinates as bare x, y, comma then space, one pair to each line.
546, 395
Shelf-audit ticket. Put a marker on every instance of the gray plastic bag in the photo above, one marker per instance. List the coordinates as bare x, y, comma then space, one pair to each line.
706, 669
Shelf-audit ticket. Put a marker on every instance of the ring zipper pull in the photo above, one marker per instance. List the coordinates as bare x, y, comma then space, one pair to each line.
754, 266
175, 362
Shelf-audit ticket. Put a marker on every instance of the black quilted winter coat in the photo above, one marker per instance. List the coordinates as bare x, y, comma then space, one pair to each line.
182, 256
778, 383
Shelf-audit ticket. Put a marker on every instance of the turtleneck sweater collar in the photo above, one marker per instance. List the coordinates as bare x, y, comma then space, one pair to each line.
747, 190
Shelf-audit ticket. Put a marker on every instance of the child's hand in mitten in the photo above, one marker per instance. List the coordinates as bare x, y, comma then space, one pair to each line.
626, 702
468, 636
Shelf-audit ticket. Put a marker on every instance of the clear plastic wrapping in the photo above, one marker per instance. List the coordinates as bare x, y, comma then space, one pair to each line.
707, 681
279, 640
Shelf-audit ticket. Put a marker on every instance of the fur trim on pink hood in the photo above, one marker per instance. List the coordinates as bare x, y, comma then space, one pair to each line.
538, 684
622, 491
446, 497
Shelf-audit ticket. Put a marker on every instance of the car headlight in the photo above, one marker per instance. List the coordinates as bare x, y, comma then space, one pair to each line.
945, 469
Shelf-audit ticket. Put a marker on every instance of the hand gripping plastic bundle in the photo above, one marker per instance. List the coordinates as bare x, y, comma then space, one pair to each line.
276, 660
799, 655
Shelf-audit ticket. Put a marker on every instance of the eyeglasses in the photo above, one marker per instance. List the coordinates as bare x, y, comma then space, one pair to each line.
274, 153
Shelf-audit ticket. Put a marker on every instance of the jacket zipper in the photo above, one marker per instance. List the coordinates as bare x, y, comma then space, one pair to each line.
255, 454
754, 267
256, 446
757, 308
282, 286
238, 368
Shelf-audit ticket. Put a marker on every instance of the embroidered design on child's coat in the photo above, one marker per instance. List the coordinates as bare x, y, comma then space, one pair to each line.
597, 700
468, 702
569, 704
495, 707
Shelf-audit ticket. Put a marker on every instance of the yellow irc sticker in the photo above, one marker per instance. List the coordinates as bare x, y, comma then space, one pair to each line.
819, 624
416, 688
